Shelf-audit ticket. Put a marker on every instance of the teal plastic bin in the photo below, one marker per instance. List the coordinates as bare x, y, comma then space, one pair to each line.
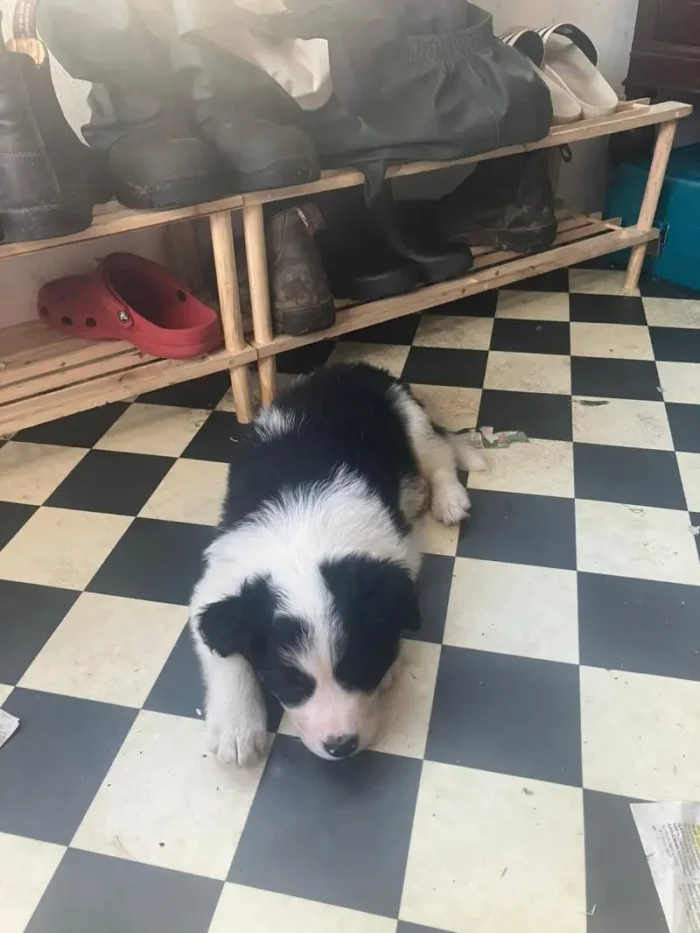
677, 217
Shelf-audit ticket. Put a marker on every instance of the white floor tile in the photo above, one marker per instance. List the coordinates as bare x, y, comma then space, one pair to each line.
433, 537
641, 735
599, 282
391, 357
453, 407
5, 691
533, 306
689, 466
631, 541
680, 382
454, 331
192, 491
540, 467
243, 908
163, 430
492, 852
107, 648
528, 372
61, 547
31, 472
611, 341
27, 866
167, 801
513, 609
622, 423
672, 312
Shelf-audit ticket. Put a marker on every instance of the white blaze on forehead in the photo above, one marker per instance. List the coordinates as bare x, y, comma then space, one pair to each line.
289, 539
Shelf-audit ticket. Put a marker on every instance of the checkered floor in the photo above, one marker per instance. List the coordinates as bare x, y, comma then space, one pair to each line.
556, 678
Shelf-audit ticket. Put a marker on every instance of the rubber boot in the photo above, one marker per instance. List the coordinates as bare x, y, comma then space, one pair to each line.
506, 203
48, 179
299, 291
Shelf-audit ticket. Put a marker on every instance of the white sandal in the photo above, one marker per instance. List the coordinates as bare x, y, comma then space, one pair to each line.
570, 60
565, 107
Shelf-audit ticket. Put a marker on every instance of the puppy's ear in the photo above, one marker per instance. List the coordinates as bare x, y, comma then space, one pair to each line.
373, 592
236, 624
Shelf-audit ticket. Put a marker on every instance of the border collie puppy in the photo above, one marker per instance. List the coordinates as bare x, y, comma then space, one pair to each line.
310, 581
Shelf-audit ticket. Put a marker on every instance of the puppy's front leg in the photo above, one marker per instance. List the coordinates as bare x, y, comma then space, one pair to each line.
235, 709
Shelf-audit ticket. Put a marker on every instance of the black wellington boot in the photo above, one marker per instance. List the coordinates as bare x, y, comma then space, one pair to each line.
299, 291
44, 190
506, 204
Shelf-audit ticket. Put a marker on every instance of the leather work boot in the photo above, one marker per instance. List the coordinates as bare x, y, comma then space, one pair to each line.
506, 203
299, 291
49, 180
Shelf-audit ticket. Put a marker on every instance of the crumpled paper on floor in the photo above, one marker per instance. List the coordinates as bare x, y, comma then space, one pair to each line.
486, 438
8, 726
670, 834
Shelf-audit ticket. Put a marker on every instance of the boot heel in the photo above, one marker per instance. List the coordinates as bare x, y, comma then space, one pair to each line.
21, 224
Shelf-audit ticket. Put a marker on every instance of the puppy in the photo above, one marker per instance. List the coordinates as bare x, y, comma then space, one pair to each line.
310, 582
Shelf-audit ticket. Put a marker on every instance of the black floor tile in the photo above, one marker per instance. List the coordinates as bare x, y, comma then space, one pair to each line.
634, 379
54, 764
657, 288
179, 690
537, 414
154, 560
639, 625
91, 893
346, 828
434, 582
555, 281
520, 529
483, 305
618, 881
217, 438
676, 344
205, 392
438, 366
108, 481
685, 426
509, 714
530, 336
630, 475
81, 430
400, 331
13, 515
30, 614
607, 309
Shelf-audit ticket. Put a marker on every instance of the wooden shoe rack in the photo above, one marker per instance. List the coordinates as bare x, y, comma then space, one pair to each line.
44, 375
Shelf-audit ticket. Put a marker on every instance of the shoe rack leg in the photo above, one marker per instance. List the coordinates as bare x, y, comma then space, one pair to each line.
657, 172
256, 256
229, 302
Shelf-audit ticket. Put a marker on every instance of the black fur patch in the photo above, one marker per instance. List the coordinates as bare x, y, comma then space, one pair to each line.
247, 624
345, 418
374, 601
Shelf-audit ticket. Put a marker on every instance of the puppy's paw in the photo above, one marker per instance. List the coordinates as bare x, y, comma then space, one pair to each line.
240, 743
450, 503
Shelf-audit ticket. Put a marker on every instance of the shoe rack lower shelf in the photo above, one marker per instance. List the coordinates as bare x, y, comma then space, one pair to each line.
44, 375
579, 238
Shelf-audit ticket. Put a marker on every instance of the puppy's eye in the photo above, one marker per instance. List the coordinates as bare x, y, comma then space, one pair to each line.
290, 685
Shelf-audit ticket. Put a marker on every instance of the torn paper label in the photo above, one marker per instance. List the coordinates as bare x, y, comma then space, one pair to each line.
670, 835
8, 726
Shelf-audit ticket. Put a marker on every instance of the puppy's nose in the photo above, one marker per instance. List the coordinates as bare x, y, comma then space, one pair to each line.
342, 746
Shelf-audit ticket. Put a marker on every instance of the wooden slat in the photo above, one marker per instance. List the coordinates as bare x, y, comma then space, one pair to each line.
115, 386
485, 279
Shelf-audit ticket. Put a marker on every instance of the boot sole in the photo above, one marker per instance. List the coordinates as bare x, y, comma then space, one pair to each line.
306, 320
280, 175
24, 224
180, 192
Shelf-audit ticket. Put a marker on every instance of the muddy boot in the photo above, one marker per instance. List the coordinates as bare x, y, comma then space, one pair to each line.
506, 204
299, 291
48, 178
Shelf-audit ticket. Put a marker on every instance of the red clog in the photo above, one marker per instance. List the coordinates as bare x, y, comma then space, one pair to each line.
134, 299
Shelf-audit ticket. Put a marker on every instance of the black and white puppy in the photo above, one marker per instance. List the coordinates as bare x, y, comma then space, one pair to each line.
310, 581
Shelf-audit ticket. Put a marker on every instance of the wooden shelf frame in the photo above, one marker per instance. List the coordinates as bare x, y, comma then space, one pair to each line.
44, 375
580, 238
